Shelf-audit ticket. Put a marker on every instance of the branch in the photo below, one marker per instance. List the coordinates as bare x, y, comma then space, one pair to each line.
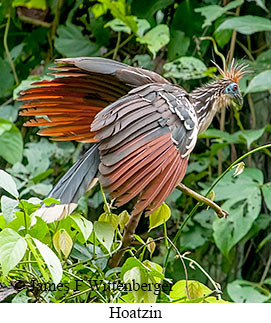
233, 38
128, 237
8, 53
221, 213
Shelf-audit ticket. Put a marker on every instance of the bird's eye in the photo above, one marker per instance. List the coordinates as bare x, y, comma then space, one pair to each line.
235, 87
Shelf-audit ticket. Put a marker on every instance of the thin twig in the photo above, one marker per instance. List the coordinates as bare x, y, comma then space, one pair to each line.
117, 46
233, 38
6, 102
127, 239
7, 51
218, 291
252, 111
221, 213
120, 46
266, 269
245, 49
222, 128
216, 50
184, 267
34, 21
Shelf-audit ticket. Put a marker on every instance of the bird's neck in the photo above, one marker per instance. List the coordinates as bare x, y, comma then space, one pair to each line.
208, 99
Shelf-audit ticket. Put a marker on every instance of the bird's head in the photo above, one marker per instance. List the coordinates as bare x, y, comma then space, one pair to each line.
230, 79
233, 92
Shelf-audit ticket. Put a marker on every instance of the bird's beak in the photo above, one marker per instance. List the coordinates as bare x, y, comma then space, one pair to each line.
238, 99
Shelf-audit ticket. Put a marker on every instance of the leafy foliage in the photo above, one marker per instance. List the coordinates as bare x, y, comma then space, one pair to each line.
68, 261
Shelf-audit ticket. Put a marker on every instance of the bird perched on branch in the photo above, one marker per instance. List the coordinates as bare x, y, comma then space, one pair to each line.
143, 128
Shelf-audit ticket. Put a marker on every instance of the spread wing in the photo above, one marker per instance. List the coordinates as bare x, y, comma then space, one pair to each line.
66, 106
145, 138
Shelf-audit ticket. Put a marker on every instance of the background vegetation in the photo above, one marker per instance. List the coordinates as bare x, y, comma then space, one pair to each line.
177, 39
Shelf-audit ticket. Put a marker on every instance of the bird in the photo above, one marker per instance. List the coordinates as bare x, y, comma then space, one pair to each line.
142, 128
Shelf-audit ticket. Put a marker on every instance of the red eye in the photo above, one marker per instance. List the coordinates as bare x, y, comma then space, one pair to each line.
235, 88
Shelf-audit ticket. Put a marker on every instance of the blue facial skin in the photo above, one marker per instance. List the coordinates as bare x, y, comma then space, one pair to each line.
233, 90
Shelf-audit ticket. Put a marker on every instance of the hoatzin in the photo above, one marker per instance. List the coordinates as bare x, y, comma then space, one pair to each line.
143, 128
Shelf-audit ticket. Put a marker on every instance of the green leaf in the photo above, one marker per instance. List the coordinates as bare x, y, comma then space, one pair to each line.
18, 223
215, 133
241, 291
243, 203
261, 4
180, 290
143, 25
155, 270
147, 9
39, 229
211, 13
151, 245
184, 16
36, 4
111, 218
130, 263
71, 42
118, 26
118, 10
49, 200
185, 68
8, 184
51, 261
9, 112
91, 253
143, 278
63, 242
28, 207
178, 44
84, 225
16, 51
6, 78
123, 219
11, 142
8, 207
195, 237
223, 37
12, 249
260, 83
37, 179
233, 187
105, 233
159, 216
156, 38
81, 252
136, 277
266, 189
41, 188
21, 297
38, 156
251, 135
246, 25
99, 9
139, 239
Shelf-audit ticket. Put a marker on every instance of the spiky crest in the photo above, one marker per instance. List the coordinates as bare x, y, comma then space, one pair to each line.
234, 71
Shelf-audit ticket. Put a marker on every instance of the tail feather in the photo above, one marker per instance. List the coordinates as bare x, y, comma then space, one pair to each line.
71, 186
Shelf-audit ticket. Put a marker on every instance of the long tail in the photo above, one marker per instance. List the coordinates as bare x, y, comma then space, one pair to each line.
78, 179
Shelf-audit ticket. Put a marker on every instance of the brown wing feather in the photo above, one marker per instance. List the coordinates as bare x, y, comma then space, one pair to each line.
82, 87
139, 157
70, 103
